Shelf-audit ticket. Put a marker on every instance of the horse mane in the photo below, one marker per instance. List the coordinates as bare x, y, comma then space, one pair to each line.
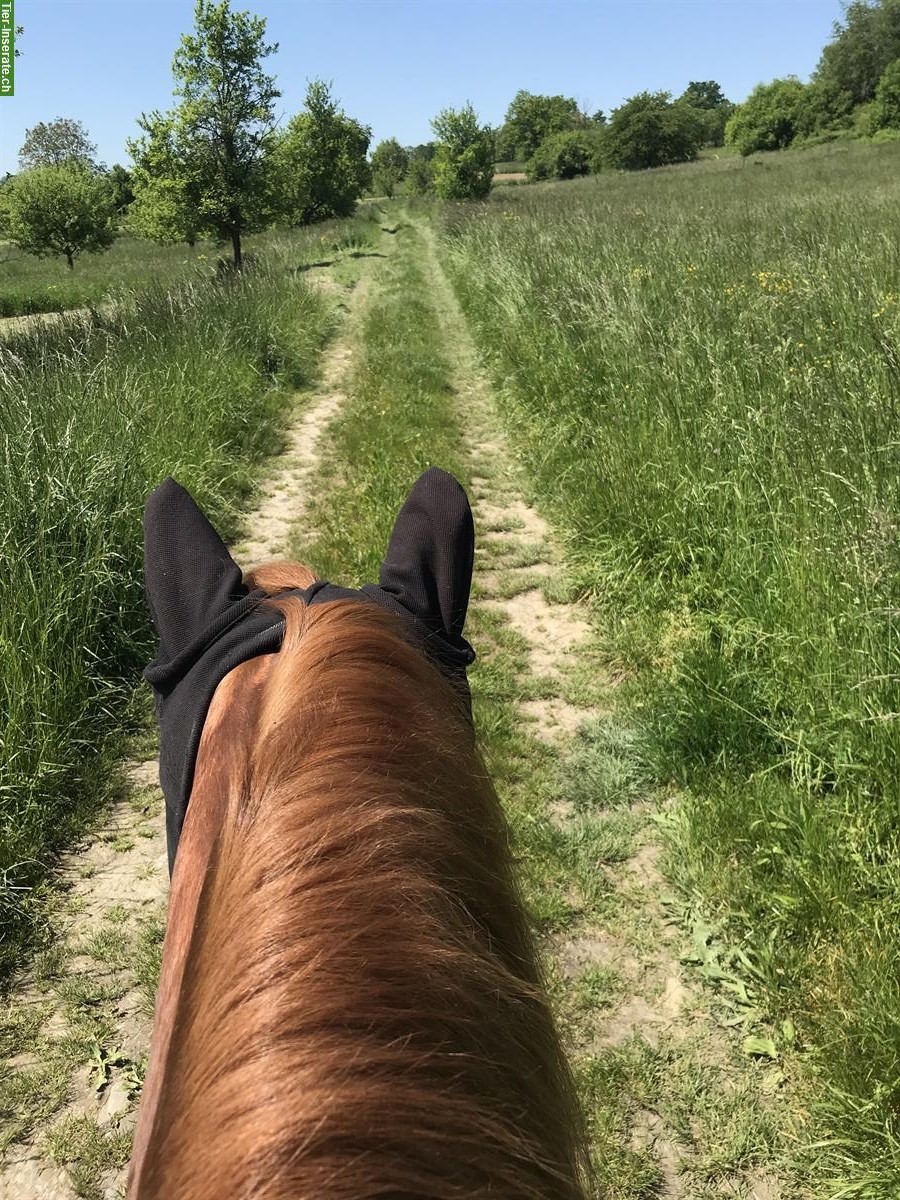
362, 1013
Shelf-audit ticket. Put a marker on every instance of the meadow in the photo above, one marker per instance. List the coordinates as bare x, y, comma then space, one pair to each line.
700, 370
192, 379
36, 285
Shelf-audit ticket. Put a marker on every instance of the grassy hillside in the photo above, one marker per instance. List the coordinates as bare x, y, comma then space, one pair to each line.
701, 370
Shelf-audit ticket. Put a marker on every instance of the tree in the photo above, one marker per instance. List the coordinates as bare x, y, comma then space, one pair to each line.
321, 165
530, 119
706, 94
566, 155
121, 182
54, 143
650, 131
714, 109
166, 194
769, 118
420, 169
886, 113
864, 44
58, 210
203, 166
464, 162
824, 108
389, 165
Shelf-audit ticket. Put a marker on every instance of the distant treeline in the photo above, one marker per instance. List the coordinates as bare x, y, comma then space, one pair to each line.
219, 165
853, 93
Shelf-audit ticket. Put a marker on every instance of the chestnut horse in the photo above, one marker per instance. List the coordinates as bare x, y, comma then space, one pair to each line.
350, 1002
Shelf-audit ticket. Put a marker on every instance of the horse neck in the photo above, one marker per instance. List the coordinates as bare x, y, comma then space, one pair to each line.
230, 713
351, 1007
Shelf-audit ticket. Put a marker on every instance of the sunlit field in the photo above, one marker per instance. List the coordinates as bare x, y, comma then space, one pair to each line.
700, 368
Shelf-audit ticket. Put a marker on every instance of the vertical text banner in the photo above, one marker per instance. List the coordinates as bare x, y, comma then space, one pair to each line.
7, 48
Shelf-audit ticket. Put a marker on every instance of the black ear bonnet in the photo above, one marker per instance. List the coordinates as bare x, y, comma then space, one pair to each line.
208, 621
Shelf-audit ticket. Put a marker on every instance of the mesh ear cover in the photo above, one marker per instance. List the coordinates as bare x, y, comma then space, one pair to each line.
209, 623
428, 566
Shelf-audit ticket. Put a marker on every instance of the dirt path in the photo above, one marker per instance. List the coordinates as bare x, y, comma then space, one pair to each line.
677, 1111
75, 1034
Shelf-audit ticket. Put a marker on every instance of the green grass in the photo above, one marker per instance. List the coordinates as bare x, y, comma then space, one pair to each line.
95, 412
700, 369
37, 285
406, 399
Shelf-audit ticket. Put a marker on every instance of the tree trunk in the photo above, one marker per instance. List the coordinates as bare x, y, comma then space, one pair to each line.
236, 247
70, 260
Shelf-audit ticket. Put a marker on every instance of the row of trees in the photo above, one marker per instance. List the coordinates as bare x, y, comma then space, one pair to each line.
554, 139
854, 91
215, 165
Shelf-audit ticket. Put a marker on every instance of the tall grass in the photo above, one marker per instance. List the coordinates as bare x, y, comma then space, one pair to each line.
701, 368
94, 412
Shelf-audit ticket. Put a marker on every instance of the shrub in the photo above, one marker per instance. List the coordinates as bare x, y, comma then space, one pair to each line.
566, 155
464, 163
769, 119
650, 131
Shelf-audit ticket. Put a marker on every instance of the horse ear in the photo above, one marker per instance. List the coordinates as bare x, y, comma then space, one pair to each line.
428, 567
190, 577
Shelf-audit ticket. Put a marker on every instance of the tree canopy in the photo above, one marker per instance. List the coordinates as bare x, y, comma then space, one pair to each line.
864, 43
886, 110
55, 143
320, 164
530, 119
464, 161
650, 131
769, 118
58, 210
389, 165
202, 167
706, 94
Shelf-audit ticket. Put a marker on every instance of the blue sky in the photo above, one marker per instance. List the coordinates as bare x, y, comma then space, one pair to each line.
395, 63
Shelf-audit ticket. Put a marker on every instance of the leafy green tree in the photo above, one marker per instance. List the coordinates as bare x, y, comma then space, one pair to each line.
708, 99
321, 164
648, 130
55, 143
530, 119
167, 196
863, 45
706, 94
464, 162
203, 166
566, 155
389, 165
58, 210
420, 169
120, 181
825, 108
886, 113
769, 119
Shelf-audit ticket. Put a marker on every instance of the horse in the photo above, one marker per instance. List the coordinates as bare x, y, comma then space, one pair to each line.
351, 1003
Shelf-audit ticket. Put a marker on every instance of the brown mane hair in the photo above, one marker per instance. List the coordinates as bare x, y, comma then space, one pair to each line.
362, 1012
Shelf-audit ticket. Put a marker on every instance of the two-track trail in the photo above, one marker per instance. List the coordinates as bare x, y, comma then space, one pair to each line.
675, 1108
76, 1031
